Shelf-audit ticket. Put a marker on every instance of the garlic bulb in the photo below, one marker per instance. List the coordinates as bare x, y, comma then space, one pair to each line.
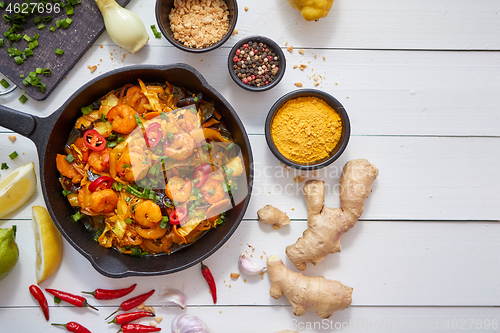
124, 27
248, 267
173, 296
185, 323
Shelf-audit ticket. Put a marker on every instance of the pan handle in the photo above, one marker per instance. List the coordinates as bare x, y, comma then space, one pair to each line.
19, 122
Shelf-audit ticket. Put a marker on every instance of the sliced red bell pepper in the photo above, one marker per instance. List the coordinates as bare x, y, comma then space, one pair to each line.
101, 183
178, 215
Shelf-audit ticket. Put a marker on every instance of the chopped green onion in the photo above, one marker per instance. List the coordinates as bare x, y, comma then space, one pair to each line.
128, 221
27, 38
76, 217
119, 140
155, 32
57, 300
46, 71
111, 144
125, 166
230, 146
229, 171
211, 192
21, 76
18, 60
41, 26
66, 192
4, 83
59, 51
23, 99
58, 23
52, 29
33, 44
37, 20
163, 223
196, 99
69, 9
4, 166
139, 121
135, 251
103, 117
1, 42
2, 4
28, 52
86, 109
38, 70
35, 37
69, 158
47, 19
14, 154
170, 136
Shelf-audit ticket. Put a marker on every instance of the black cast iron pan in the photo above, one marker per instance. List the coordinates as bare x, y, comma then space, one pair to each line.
51, 133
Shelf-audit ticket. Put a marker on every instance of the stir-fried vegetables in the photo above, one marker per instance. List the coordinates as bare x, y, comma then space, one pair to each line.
149, 174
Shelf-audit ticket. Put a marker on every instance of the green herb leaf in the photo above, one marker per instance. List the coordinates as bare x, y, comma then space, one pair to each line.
66, 192
69, 158
4, 166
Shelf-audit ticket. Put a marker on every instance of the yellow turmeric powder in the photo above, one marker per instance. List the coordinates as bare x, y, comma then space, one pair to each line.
306, 129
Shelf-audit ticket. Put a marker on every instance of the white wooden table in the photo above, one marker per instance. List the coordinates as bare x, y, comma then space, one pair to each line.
420, 81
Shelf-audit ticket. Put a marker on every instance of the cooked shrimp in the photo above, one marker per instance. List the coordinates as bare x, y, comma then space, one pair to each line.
152, 233
103, 201
191, 121
147, 213
212, 191
180, 148
122, 118
99, 160
133, 166
179, 189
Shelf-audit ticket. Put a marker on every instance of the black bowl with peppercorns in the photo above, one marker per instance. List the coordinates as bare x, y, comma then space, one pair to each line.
256, 63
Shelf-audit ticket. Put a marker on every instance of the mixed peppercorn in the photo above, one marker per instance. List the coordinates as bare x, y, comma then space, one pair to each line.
256, 64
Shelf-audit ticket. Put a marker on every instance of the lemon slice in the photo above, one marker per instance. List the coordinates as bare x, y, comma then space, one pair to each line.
48, 242
17, 188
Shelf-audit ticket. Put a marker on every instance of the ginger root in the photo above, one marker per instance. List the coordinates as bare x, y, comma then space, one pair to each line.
326, 225
304, 293
271, 215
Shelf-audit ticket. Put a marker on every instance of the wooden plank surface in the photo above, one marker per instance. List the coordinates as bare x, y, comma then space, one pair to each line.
420, 82
392, 263
421, 178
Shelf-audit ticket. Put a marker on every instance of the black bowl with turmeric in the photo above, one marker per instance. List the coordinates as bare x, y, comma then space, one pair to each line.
307, 129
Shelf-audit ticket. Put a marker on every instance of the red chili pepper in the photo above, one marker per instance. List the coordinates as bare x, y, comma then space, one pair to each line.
205, 271
101, 183
138, 328
105, 294
93, 140
40, 297
178, 215
153, 134
74, 327
201, 173
75, 300
132, 302
126, 318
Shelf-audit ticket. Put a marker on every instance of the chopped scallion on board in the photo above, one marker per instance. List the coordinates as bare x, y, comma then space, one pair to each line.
23, 99
59, 51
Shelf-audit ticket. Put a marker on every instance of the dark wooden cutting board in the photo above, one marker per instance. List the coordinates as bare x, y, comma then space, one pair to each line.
87, 25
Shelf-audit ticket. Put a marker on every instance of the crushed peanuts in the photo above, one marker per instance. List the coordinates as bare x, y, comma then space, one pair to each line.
92, 68
152, 323
290, 48
302, 67
301, 51
199, 23
158, 319
295, 66
234, 275
298, 84
12, 138
299, 179
246, 8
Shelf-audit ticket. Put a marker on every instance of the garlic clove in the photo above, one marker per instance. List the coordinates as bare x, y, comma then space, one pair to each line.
124, 27
173, 297
248, 266
185, 323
